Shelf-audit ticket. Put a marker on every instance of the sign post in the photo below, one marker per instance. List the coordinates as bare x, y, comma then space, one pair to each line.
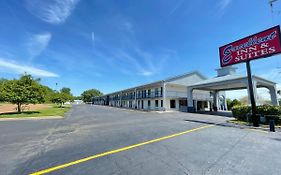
255, 117
260, 45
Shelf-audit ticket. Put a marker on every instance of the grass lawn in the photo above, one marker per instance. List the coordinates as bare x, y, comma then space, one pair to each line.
239, 122
53, 110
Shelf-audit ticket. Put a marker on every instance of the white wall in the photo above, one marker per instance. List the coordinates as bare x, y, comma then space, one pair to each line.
168, 107
188, 80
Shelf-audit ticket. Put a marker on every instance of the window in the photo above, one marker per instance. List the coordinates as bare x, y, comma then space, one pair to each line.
161, 103
172, 104
161, 93
148, 103
183, 102
156, 92
156, 103
205, 104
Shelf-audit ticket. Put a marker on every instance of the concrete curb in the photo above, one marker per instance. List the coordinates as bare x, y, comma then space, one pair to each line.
261, 128
31, 118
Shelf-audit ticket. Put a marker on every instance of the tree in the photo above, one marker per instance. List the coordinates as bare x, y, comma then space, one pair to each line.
77, 98
89, 94
66, 90
279, 92
244, 100
232, 103
58, 98
2, 81
48, 93
61, 97
25, 90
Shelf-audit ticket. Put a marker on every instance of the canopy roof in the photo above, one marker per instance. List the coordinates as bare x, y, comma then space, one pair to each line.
230, 82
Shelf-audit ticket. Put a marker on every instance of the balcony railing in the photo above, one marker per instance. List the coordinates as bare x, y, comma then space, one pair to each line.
149, 95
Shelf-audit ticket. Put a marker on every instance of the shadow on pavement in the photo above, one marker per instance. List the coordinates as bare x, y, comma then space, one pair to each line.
219, 113
225, 124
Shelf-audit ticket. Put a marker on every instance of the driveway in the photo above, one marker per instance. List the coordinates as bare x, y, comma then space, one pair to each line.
104, 140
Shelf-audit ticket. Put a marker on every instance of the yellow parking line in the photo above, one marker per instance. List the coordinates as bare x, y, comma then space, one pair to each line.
48, 170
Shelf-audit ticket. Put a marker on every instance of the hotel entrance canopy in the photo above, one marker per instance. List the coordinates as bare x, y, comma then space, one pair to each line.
230, 82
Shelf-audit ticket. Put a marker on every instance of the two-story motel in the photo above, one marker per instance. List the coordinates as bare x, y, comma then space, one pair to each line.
188, 92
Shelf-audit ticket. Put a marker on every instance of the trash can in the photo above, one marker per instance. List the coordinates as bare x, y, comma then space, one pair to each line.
272, 125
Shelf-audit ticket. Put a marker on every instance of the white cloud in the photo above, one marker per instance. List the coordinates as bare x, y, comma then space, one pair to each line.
20, 69
223, 4
135, 66
93, 36
128, 26
38, 43
130, 58
51, 11
146, 73
177, 5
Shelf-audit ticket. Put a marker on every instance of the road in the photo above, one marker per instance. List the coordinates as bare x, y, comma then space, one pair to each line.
207, 146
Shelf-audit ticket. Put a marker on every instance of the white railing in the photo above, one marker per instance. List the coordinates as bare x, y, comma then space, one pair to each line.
196, 96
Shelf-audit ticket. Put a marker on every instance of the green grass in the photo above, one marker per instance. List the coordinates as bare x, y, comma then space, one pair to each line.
235, 121
52, 111
239, 122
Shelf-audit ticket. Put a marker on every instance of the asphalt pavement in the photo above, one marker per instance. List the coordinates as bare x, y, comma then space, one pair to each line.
105, 140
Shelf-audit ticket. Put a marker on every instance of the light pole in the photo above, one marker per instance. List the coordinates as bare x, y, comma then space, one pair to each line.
270, 2
56, 87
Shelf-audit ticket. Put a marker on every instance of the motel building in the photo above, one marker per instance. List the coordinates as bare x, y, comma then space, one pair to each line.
190, 92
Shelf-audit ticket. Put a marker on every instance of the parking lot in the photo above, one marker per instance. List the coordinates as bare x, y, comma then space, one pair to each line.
104, 140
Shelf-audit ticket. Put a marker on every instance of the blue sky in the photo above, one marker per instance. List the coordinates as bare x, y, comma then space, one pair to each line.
116, 44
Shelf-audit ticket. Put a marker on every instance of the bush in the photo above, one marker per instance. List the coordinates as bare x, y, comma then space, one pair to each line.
269, 112
241, 112
232, 103
276, 118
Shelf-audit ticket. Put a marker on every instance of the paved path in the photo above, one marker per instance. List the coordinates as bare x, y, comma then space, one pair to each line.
30, 146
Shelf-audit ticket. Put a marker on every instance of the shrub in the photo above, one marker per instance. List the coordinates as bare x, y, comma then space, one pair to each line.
276, 118
241, 112
269, 112
232, 103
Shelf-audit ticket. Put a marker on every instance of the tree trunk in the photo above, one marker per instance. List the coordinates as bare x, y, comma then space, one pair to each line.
19, 107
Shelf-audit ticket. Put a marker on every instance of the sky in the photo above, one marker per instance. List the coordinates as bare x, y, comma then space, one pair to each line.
116, 44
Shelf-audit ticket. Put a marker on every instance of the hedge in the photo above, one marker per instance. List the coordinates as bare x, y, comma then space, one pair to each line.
269, 112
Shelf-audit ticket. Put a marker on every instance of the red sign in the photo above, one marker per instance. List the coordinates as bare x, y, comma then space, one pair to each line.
260, 45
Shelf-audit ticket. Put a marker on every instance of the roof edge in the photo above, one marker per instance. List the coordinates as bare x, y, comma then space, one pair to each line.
184, 75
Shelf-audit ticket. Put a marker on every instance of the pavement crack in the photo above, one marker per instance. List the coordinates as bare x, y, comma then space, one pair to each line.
119, 167
158, 157
186, 170
232, 147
